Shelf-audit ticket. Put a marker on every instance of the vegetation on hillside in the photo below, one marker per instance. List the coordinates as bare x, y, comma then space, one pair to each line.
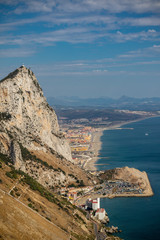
5, 116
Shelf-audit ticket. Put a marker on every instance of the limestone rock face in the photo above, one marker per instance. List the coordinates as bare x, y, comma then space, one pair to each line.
26, 117
15, 153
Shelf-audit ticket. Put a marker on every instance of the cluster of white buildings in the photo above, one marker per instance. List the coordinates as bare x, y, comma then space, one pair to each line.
94, 204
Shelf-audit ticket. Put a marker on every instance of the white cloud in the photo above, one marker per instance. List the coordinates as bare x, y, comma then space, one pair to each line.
114, 6
156, 46
76, 35
141, 21
149, 35
70, 34
102, 67
152, 31
16, 53
79, 22
150, 53
36, 6
50, 20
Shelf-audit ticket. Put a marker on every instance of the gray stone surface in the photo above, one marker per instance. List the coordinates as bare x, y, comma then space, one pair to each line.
26, 117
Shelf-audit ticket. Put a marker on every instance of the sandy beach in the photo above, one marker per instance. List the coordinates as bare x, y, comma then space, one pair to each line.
95, 148
96, 143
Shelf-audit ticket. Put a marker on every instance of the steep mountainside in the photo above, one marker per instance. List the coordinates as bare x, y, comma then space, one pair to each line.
28, 211
29, 133
26, 115
35, 162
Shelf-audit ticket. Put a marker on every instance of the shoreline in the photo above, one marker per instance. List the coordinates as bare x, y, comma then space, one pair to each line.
95, 147
96, 143
147, 192
83, 200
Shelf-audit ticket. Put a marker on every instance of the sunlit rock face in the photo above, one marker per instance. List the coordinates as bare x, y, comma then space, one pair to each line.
26, 117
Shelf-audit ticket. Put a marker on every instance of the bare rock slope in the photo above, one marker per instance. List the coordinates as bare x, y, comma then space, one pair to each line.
29, 133
26, 116
35, 161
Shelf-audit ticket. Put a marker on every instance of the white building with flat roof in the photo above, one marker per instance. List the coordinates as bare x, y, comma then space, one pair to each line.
96, 203
100, 213
93, 204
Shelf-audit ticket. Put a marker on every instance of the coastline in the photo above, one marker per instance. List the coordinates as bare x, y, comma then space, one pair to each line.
96, 143
95, 147
147, 190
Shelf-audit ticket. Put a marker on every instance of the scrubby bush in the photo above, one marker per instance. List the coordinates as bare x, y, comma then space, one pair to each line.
81, 183
4, 158
12, 174
28, 156
5, 116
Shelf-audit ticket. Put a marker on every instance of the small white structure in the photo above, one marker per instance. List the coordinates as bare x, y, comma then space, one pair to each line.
100, 213
96, 203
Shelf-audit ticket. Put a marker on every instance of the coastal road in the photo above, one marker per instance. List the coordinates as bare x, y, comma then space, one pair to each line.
99, 235
95, 230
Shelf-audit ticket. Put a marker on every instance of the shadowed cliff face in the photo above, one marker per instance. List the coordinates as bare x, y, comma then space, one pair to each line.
26, 117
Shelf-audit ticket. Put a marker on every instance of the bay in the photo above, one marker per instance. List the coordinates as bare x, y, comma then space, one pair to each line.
138, 218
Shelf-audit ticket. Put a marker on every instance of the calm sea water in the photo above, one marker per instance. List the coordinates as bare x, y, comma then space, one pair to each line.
138, 218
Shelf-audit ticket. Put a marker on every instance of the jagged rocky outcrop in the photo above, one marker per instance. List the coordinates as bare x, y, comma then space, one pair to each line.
26, 118
16, 155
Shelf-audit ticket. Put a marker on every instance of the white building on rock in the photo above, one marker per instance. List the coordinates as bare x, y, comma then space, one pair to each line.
100, 213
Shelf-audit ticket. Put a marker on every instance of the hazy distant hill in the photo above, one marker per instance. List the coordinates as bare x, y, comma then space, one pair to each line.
145, 104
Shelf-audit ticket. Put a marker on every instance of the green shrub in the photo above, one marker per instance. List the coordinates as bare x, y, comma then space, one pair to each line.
28, 156
12, 193
34, 185
30, 205
72, 185
71, 175
4, 158
5, 116
77, 216
18, 194
82, 211
12, 174
81, 183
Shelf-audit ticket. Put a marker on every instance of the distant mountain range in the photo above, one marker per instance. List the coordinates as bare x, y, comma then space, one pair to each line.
144, 104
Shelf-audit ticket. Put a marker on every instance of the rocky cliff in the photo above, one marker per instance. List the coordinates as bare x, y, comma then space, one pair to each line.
26, 117
29, 133
35, 162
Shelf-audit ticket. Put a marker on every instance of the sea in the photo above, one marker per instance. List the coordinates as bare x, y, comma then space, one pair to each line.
136, 145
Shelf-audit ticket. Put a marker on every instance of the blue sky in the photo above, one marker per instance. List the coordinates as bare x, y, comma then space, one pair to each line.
85, 48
